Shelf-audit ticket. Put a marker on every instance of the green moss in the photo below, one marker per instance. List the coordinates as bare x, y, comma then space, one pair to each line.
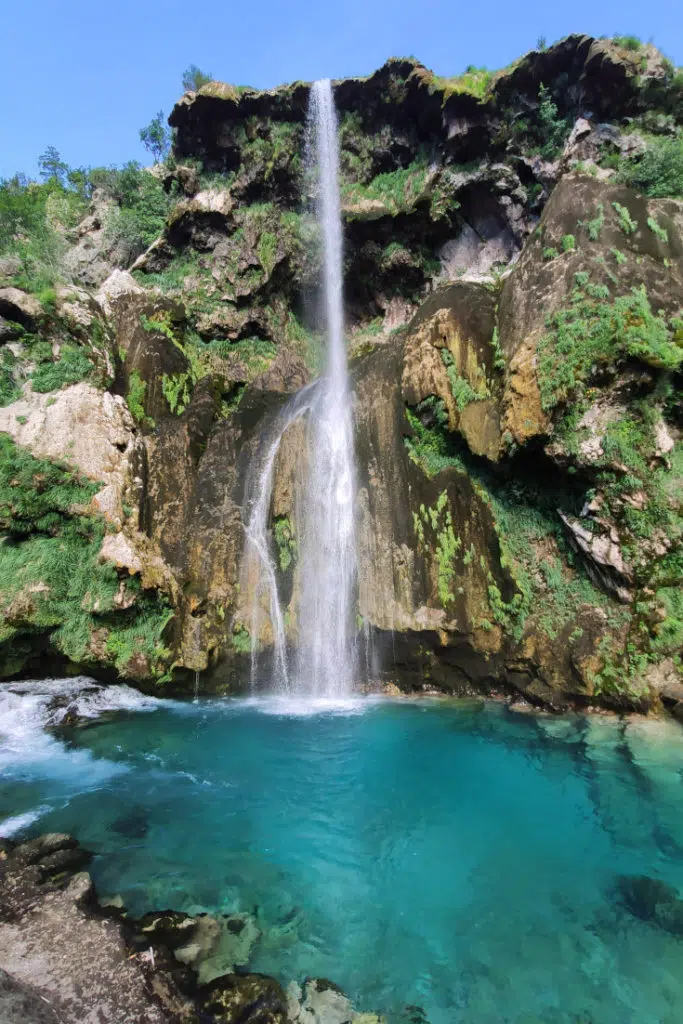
551, 587
473, 81
10, 389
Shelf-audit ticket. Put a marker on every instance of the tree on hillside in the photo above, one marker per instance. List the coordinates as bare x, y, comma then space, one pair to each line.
194, 78
52, 167
156, 137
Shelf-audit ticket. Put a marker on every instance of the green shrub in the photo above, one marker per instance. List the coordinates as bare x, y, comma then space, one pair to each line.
463, 392
660, 232
594, 227
568, 243
626, 222
50, 561
659, 172
193, 78
631, 43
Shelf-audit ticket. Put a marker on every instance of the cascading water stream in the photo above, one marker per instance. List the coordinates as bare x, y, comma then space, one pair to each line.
324, 663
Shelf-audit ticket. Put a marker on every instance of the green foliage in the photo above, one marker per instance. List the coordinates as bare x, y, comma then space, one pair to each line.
474, 81
177, 389
135, 398
592, 331
52, 167
141, 213
193, 79
267, 250
568, 243
626, 222
545, 132
285, 541
550, 253
659, 172
619, 257
36, 495
594, 227
437, 522
10, 390
51, 572
547, 585
71, 366
430, 446
656, 229
463, 392
156, 137
631, 43
498, 357
398, 190
241, 639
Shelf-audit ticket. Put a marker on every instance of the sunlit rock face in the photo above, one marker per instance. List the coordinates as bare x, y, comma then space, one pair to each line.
513, 328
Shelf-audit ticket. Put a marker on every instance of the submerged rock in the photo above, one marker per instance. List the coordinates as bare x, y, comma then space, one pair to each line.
653, 901
247, 998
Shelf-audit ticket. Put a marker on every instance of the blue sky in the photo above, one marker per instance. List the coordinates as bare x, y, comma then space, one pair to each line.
85, 76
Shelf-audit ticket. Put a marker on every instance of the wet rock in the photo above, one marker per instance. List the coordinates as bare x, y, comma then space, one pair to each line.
653, 901
602, 551
169, 928
247, 998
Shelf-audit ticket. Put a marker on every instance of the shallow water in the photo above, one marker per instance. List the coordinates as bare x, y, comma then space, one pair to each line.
451, 856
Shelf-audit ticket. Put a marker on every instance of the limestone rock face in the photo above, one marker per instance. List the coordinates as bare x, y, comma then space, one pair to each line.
514, 328
84, 427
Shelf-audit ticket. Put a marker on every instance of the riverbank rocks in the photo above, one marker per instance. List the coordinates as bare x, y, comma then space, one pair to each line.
54, 943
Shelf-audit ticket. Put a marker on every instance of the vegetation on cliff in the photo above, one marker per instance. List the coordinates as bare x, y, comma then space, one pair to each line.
555, 393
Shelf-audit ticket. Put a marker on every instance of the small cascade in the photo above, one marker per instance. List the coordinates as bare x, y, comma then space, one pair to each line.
324, 662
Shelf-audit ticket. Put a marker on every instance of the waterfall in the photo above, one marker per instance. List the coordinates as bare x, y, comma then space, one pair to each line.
323, 663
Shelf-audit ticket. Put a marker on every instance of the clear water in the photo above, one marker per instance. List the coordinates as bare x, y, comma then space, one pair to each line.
452, 856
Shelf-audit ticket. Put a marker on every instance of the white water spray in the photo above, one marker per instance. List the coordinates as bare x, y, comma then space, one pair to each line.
323, 664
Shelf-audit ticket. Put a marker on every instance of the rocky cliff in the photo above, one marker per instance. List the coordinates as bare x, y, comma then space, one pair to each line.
514, 286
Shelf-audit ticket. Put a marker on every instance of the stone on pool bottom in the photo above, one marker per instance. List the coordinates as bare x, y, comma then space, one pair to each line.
448, 856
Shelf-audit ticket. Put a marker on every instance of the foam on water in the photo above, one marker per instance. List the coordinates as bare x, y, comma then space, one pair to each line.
29, 752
